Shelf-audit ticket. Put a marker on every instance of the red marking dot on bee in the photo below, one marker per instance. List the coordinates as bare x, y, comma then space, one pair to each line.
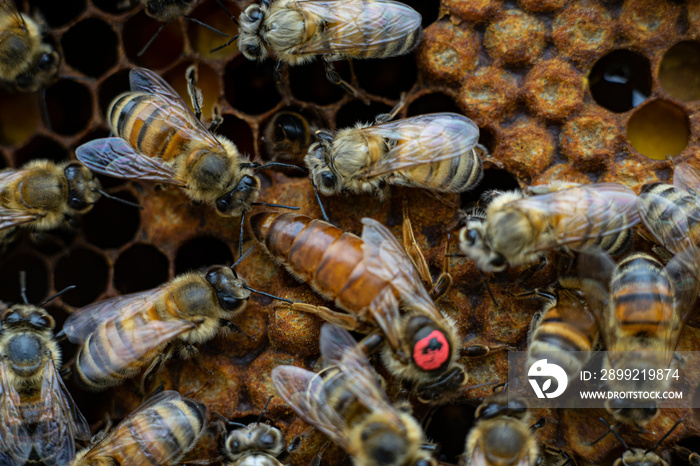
431, 351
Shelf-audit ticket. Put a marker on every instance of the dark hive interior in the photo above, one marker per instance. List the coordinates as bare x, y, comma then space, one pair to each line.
580, 91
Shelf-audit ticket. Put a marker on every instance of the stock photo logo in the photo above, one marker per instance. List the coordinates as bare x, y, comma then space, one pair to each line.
541, 369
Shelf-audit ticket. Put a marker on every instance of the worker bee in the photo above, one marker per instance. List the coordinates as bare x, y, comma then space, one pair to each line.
502, 435
295, 32
37, 413
565, 331
43, 195
161, 431
369, 278
28, 59
255, 444
672, 212
121, 336
641, 308
161, 140
346, 402
288, 136
436, 152
517, 230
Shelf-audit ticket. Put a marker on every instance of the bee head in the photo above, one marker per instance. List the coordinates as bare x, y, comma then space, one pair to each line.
250, 42
83, 187
231, 291
255, 437
316, 160
25, 315
240, 198
473, 245
43, 70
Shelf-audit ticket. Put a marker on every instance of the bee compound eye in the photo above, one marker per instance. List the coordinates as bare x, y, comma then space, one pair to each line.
472, 237
254, 15
23, 81
45, 61
268, 440
498, 261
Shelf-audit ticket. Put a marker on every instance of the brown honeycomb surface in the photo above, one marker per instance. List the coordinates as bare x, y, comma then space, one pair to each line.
533, 74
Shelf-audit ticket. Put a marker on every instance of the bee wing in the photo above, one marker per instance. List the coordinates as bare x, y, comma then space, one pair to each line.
83, 322
356, 25
15, 443
687, 178
339, 348
584, 212
684, 272
669, 223
60, 422
595, 268
424, 139
174, 112
10, 218
109, 444
8, 7
304, 392
387, 259
115, 157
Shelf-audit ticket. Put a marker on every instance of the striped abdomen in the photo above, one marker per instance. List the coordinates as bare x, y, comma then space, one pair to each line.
642, 299
133, 117
112, 354
160, 435
566, 327
672, 215
378, 28
457, 174
325, 257
602, 218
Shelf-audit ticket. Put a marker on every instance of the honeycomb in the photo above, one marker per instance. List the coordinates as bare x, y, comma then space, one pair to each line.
581, 91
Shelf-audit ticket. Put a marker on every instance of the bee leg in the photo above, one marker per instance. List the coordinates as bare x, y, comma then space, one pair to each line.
194, 92
342, 319
153, 368
333, 76
216, 119
477, 351
385, 117
413, 250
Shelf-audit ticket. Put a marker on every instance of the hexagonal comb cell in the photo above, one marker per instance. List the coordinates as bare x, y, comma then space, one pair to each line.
578, 91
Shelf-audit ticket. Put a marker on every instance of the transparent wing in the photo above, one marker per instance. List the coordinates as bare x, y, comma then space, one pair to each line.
60, 422
387, 259
595, 268
353, 25
687, 178
684, 272
339, 348
83, 322
15, 443
424, 139
173, 112
115, 157
671, 224
120, 439
304, 392
583, 212
10, 218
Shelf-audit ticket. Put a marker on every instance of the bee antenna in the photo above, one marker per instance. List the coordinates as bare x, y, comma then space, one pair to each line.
665, 436
211, 28
610, 429
148, 44
267, 294
243, 256
276, 205
119, 199
226, 421
51, 298
488, 288
233, 18
225, 45
23, 286
320, 204
267, 403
